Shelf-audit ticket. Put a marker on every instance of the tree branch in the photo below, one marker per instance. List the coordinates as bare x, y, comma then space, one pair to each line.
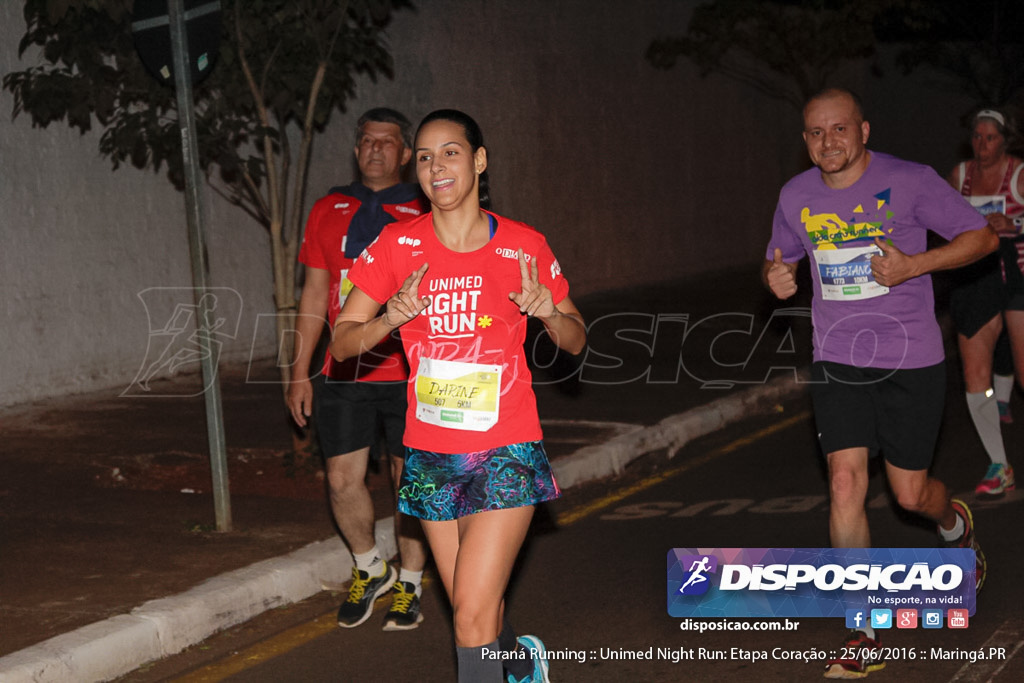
274, 211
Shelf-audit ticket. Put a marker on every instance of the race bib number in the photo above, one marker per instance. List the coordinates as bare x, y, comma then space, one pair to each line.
457, 395
988, 203
845, 274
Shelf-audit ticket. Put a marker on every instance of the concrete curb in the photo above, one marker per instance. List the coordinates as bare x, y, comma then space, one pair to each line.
163, 627
160, 628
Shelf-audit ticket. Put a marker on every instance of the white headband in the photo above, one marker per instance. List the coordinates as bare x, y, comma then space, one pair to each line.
991, 114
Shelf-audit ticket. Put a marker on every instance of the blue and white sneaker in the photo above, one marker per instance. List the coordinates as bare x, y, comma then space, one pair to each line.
535, 648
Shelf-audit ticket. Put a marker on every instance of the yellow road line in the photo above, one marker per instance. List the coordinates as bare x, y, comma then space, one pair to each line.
582, 511
263, 651
327, 623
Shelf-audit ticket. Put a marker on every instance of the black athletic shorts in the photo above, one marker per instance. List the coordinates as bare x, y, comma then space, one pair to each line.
895, 412
1014, 278
978, 295
351, 415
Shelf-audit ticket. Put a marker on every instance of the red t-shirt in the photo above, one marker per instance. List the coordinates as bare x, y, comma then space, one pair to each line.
470, 387
323, 246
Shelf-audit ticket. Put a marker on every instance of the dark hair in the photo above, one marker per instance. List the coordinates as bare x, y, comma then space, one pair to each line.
386, 115
474, 137
828, 93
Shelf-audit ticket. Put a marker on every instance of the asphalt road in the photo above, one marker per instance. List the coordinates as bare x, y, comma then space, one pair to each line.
591, 582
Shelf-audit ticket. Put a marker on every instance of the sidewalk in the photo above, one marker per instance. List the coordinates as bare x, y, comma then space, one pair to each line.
108, 545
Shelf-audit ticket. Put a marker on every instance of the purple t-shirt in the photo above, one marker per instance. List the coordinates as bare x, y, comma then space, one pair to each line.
856, 320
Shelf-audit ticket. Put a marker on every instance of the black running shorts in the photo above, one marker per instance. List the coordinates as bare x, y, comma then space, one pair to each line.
895, 412
351, 415
978, 295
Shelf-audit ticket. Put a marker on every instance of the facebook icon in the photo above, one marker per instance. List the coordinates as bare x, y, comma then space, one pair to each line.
855, 618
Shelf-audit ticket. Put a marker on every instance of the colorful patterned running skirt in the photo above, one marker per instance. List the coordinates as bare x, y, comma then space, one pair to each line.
442, 486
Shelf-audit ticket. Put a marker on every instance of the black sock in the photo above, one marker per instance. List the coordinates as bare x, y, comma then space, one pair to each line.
519, 667
507, 638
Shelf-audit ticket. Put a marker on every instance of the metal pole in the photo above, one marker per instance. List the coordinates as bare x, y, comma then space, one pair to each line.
200, 271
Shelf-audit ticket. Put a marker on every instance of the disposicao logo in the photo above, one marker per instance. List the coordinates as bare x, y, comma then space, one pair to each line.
696, 580
818, 582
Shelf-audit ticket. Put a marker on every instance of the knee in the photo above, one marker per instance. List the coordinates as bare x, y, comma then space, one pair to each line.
977, 380
911, 498
847, 487
341, 479
977, 383
475, 623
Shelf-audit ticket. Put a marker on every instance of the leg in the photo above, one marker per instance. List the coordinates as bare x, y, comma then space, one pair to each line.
848, 485
350, 499
344, 429
976, 355
915, 491
474, 556
1015, 329
919, 493
405, 601
443, 538
488, 545
411, 546
353, 511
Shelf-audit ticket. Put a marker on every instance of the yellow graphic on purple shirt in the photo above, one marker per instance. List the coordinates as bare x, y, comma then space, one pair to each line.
844, 247
833, 231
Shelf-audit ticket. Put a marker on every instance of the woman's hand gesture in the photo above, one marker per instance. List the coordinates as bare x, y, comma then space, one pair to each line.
534, 299
406, 304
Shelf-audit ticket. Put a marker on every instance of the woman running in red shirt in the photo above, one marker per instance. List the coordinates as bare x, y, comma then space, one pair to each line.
459, 284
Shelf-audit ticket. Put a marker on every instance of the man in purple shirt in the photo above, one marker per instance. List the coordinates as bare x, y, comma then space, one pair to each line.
879, 372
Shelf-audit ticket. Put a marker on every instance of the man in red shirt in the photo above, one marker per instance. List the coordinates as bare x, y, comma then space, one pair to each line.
359, 396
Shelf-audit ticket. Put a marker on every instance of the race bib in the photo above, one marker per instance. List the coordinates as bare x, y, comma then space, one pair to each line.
845, 274
988, 203
457, 395
345, 288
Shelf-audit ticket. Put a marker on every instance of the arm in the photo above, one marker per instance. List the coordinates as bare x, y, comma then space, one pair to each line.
999, 222
565, 327
1002, 225
308, 325
359, 328
894, 267
779, 276
563, 321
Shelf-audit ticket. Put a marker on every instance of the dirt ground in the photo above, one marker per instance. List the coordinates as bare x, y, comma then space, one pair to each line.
105, 501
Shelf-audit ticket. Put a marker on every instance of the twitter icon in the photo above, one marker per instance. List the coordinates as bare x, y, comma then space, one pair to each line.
881, 618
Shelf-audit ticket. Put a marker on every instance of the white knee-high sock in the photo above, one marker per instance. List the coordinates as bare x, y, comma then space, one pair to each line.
1003, 384
985, 416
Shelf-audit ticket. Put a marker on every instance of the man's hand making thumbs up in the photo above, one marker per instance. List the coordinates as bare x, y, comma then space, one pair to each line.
780, 276
893, 266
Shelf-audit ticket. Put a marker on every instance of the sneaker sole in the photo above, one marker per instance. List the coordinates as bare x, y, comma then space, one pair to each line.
392, 576
395, 626
981, 573
984, 570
